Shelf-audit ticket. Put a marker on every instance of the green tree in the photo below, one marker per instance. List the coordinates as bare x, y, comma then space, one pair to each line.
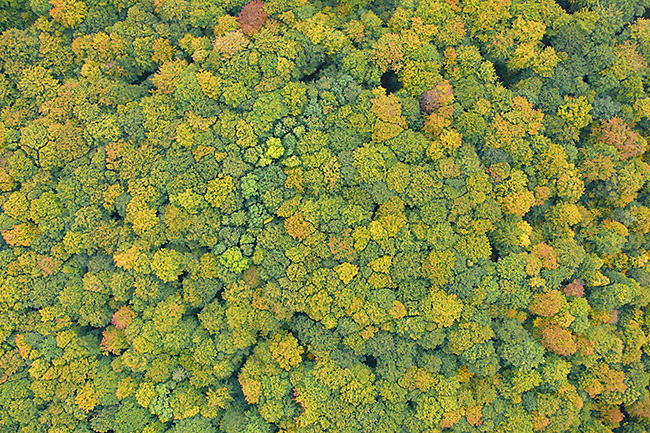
518, 348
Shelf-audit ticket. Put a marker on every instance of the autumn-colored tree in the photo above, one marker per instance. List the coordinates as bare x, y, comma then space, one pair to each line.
547, 304
69, 13
559, 340
575, 288
297, 227
286, 351
252, 17
616, 132
439, 96
438, 267
21, 234
445, 308
123, 317
113, 341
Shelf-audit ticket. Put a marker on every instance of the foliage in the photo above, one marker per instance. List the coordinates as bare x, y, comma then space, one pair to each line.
353, 216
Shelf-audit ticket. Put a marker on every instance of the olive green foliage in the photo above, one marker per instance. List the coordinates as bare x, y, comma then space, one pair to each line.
324, 216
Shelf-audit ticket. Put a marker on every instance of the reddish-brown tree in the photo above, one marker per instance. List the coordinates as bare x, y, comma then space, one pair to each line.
252, 17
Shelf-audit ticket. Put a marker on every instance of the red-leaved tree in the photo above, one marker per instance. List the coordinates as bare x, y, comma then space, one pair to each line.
252, 17
617, 133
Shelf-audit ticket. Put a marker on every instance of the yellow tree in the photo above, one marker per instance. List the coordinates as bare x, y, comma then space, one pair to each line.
70, 13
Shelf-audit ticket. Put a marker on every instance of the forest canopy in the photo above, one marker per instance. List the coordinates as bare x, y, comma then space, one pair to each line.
413, 216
